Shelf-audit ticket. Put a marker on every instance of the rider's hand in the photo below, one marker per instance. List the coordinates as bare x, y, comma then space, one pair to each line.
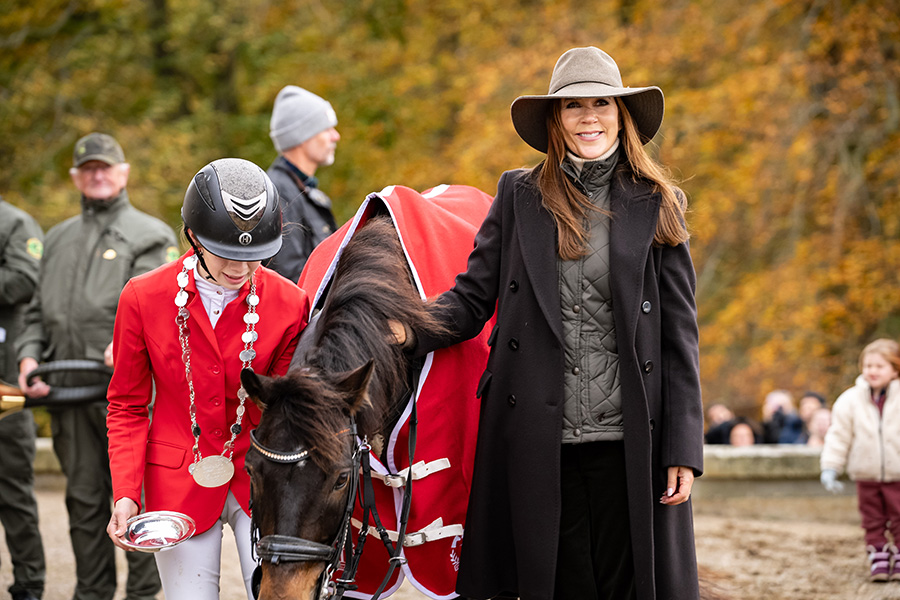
108, 356
124, 509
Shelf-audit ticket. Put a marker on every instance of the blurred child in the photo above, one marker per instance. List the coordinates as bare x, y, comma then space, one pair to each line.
864, 439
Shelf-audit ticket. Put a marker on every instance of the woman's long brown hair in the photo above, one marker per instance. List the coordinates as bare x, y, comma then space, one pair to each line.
569, 206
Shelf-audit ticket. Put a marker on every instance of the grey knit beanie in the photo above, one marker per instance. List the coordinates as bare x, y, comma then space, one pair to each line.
297, 116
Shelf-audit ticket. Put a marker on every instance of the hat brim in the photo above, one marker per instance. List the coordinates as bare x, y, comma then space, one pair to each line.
101, 157
529, 113
241, 254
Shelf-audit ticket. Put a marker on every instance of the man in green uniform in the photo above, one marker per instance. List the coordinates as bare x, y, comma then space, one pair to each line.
21, 244
87, 261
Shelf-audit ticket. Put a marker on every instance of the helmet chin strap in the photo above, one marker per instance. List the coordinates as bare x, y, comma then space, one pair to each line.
199, 254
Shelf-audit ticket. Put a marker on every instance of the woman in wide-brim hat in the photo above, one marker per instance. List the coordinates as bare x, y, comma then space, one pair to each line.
591, 429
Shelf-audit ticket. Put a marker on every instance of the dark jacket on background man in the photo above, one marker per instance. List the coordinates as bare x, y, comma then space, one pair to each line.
512, 524
307, 217
21, 243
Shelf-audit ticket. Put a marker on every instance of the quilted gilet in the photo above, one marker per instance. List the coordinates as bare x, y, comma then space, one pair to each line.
592, 408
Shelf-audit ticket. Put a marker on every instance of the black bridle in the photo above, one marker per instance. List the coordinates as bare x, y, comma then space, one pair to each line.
285, 549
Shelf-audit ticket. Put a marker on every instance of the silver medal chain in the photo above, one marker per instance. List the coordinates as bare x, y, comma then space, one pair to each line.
251, 318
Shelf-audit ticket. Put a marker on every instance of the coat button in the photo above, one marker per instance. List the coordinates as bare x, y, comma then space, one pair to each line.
652, 424
576, 309
513, 344
577, 432
214, 369
511, 400
648, 366
217, 433
514, 286
646, 307
575, 370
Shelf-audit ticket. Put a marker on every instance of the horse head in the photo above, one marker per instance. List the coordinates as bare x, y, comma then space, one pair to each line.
302, 473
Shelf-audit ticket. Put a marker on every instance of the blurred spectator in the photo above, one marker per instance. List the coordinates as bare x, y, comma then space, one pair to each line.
744, 432
781, 424
719, 420
809, 403
717, 414
818, 425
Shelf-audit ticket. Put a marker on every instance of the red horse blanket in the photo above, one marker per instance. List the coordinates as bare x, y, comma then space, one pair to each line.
437, 230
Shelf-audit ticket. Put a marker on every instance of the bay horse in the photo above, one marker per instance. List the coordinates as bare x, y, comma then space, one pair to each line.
349, 364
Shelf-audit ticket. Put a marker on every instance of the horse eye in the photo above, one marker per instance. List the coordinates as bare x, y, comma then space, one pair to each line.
342, 480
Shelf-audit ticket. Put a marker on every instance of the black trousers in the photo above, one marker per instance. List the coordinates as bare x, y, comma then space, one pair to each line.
595, 559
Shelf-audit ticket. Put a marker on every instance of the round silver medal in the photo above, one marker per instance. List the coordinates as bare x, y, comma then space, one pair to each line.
213, 471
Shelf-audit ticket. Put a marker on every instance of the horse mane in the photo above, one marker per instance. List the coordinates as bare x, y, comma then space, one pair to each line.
371, 285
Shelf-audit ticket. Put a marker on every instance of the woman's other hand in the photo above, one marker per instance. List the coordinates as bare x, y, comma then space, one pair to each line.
678, 488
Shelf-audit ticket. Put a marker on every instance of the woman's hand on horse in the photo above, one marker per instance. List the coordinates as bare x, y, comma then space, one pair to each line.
678, 487
403, 335
124, 509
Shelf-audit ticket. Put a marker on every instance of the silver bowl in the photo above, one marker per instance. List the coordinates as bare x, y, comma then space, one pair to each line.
157, 530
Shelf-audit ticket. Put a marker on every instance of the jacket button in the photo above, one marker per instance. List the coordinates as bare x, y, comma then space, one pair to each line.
575, 370
652, 424
646, 307
513, 344
648, 366
511, 400
514, 286
217, 433
214, 369
577, 432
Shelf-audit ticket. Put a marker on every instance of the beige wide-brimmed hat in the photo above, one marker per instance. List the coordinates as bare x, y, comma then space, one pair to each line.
586, 73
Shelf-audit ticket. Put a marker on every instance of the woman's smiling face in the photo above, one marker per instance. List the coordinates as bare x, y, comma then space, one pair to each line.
590, 125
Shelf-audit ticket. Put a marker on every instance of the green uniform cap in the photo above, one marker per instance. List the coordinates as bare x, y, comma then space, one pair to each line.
98, 146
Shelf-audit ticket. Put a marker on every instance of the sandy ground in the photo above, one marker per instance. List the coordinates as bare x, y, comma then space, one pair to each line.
748, 548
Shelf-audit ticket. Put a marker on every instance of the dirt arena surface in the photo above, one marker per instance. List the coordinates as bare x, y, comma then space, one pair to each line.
748, 549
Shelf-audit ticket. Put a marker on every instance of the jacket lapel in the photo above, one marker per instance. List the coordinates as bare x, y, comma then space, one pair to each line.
537, 242
635, 213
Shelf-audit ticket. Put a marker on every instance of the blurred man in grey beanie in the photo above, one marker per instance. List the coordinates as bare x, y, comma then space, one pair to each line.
303, 131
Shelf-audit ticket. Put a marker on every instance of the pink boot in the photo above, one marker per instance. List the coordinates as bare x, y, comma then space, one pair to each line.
895, 563
880, 563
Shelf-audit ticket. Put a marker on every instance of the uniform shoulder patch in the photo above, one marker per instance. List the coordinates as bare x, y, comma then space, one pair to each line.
35, 248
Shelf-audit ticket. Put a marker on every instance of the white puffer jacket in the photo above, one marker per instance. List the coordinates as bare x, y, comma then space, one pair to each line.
860, 440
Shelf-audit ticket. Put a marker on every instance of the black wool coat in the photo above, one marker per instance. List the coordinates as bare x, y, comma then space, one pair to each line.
512, 524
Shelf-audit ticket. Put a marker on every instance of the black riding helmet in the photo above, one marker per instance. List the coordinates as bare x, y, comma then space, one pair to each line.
232, 207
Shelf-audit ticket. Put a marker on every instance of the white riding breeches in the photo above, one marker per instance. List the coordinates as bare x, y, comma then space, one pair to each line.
190, 570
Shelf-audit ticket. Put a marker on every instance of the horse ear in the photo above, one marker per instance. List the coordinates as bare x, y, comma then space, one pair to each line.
355, 384
255, 386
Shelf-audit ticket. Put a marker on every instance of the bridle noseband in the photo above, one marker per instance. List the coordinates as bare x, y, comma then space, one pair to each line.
277, 549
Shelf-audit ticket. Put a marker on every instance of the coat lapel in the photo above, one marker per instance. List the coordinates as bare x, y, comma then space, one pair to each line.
635, 213
537, 242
